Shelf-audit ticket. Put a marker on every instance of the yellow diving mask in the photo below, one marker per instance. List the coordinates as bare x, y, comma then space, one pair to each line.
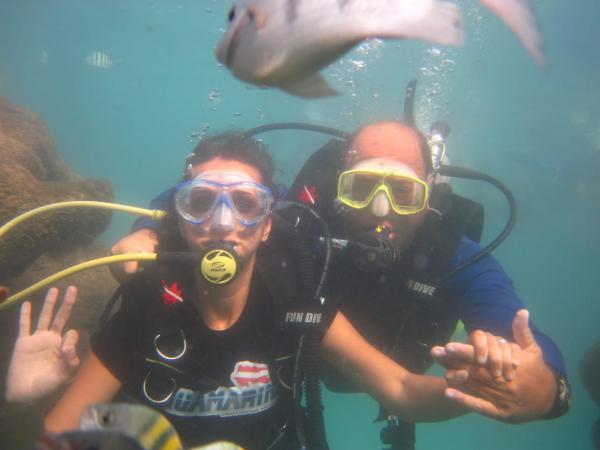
406, 194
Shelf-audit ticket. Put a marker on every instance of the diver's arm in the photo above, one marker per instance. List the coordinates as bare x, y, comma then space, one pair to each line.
161, 203
142, 239
416, 398
94, 383
486, 301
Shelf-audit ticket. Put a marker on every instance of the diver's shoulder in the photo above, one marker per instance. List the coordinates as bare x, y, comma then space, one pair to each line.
467, 249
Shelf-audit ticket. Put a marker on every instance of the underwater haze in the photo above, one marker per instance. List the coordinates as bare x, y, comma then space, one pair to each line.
127, 87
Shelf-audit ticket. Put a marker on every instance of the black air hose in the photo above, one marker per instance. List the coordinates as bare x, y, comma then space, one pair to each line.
316, 436
309, 292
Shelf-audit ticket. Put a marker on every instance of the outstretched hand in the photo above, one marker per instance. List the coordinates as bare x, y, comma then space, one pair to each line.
506, 381
45, 360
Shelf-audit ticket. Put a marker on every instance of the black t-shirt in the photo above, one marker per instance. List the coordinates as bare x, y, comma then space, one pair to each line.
228, 389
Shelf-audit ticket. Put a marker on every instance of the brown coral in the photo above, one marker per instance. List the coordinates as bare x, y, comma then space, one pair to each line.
32, 174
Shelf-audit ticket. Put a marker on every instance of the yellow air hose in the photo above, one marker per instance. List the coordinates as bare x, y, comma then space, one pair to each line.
154, 214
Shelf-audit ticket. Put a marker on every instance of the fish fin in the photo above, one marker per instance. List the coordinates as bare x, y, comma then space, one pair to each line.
438, 21
519, 17
313, 86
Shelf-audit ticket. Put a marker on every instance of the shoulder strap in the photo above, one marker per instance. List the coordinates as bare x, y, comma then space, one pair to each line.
450, 219
315, 183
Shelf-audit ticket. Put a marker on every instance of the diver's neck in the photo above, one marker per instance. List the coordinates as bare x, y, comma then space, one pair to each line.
221, 306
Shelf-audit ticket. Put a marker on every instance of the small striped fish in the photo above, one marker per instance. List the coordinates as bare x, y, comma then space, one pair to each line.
100, 60
150, 428
147, 426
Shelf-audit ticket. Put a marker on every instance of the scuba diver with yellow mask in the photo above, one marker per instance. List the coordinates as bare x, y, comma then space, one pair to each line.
407, 267
215, 333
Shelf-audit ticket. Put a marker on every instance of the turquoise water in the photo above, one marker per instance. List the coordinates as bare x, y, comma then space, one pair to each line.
537, 131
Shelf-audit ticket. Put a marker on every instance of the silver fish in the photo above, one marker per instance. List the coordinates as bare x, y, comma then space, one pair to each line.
284, 43
150, 428
100, 60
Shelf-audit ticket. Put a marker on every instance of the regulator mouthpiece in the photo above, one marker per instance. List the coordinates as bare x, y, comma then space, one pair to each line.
374, 251
220, 264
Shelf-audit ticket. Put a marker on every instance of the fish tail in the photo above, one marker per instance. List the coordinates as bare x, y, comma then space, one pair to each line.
442, 24
160, 435
519, 17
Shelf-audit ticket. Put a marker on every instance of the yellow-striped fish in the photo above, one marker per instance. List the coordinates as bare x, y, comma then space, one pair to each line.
150, 428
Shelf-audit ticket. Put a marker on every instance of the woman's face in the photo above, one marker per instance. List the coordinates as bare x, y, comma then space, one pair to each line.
245, 239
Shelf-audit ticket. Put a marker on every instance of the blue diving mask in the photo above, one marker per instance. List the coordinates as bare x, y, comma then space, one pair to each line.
236, 198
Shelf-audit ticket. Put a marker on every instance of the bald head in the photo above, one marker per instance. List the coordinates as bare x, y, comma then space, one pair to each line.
389, 140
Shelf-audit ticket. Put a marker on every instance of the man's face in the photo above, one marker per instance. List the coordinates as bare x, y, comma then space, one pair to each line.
379, 212
244, 239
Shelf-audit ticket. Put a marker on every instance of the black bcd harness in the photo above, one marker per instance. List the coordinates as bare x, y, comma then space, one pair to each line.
414, 291
286, 268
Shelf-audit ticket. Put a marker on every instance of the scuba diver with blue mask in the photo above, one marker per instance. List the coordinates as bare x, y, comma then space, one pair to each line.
194, 335
221, 332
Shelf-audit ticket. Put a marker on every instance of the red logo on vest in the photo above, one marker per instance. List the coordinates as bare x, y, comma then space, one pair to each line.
171, 294
247, 373
308, 195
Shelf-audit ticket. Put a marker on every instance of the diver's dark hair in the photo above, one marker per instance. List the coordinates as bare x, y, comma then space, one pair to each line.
234, 145
229, 145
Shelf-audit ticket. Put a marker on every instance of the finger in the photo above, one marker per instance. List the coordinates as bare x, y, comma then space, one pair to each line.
454, 356
47, 309
440, 356
515, 351
437, 352
476, 404
456, 378
494, 356
508, 369
64, 311
521, 332
462, 351
482, 384
69, 348
478, 340
25, 320
131, 266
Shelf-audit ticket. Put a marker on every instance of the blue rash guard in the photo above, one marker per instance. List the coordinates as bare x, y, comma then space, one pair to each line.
485, 299
482, 294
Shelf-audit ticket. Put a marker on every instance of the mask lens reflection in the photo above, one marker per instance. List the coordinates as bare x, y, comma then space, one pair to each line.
247, 203
403, 191
201, 201
362, 185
